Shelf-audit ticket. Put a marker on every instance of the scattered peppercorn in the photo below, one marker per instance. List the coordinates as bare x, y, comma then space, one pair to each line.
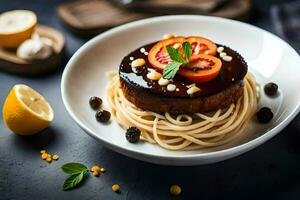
175, 190
264, 115
115, 188
102, 116
271, 89
95, 102
133, 134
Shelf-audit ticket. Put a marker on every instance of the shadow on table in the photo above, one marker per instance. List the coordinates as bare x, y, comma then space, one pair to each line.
270, 169
42, 140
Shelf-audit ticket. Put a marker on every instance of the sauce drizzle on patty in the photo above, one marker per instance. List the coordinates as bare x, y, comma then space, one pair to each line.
231, 73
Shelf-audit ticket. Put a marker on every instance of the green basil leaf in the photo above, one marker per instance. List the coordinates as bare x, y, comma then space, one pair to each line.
174, 54
73, 181
74, 168
187, 49
171, 69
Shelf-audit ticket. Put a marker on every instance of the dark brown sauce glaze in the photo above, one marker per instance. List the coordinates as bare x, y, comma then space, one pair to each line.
231, 73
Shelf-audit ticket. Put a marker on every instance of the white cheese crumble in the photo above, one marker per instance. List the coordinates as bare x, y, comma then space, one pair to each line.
193, 90
220, 49
223, 54
171, 87
192, 85
138, 62
143, 50
153, 75
227, 58
162, 81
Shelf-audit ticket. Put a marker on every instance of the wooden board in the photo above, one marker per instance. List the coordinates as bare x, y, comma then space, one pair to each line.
90, 17
9, 61
176, 6
236, 9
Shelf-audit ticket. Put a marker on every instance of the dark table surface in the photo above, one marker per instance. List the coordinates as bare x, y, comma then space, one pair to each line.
271, 170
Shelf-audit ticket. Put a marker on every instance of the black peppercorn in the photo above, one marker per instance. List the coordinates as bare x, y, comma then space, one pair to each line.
264, 115
95, 102
133, 134
271, 89
102, 116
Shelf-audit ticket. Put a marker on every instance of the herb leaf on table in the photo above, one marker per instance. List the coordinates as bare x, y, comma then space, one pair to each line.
73, 181
77, 171
74, 168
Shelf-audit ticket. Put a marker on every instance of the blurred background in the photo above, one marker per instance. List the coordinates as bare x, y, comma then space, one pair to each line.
257, 174
82, 19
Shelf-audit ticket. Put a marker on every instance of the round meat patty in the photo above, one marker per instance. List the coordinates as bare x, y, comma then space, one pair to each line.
147, 94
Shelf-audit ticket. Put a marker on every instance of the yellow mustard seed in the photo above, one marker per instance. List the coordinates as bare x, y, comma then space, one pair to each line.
175, 190
115, 188
43, 151
49, 156
49, 160
95, 168
55, 157
44, 156
102, 169
96, 173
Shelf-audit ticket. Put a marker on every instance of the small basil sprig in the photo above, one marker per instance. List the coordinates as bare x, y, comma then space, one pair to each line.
77, 171
177, 61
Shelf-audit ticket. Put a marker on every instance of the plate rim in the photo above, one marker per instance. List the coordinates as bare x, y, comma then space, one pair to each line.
236, 150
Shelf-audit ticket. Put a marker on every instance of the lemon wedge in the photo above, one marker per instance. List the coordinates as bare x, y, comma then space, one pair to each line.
16, 27
25, 111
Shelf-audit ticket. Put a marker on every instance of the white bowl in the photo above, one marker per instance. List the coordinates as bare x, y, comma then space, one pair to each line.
269, 59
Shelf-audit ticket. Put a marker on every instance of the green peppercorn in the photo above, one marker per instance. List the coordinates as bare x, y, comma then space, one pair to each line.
102, 116
133, 134
95, 102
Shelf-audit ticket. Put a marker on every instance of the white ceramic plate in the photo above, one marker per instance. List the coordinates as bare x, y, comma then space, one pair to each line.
269, 59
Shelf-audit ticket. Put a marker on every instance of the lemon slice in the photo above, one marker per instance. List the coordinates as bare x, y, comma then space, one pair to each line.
16, 27
25, 111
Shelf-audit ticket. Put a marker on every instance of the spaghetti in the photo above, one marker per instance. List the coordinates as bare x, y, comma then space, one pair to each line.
184, 132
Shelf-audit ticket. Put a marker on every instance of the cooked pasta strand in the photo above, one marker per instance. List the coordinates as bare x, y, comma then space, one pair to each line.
185, 132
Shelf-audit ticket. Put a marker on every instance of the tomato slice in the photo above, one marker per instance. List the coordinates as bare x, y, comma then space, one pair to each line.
159, 57
202, 68
202, 45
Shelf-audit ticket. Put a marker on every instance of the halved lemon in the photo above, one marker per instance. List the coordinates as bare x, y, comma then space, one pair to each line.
16, 27
25, 111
